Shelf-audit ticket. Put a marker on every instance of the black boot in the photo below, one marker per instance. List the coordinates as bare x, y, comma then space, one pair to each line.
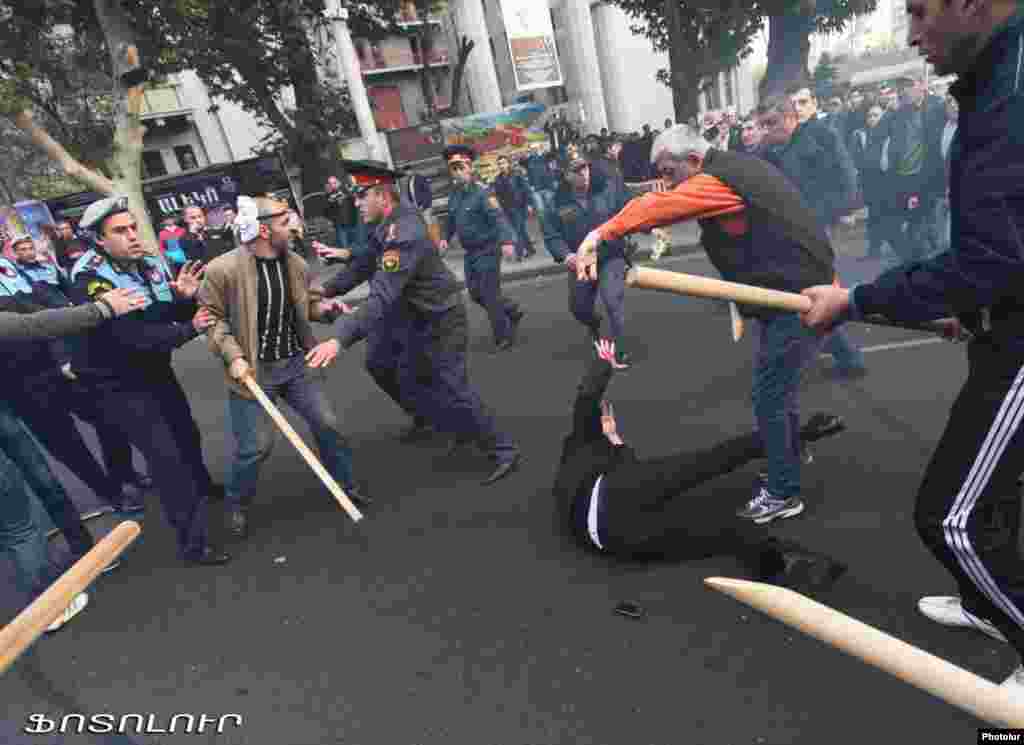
789, 564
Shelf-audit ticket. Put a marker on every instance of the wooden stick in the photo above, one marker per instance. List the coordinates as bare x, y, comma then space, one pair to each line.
679, 283
304, 451
691, 284
737, 322
32, 622
952, 684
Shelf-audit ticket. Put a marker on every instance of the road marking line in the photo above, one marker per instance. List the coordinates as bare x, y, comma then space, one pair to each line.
899, 345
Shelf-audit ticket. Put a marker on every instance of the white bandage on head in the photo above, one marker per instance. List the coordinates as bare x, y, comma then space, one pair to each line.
247, 221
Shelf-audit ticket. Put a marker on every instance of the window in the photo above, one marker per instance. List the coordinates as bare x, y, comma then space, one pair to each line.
157, 100
153, 164
186, 158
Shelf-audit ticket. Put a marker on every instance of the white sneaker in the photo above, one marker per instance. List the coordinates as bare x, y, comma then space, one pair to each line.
949, 611
1015, 682
78, 603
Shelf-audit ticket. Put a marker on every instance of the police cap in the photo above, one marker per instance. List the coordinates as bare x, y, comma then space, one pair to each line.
369, 173
20, 238
99, 211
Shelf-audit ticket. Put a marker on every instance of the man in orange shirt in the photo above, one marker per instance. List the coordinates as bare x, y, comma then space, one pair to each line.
756, 229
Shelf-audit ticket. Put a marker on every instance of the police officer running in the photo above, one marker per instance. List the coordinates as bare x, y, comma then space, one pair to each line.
128, 365
475, 216
585, 200
407, 274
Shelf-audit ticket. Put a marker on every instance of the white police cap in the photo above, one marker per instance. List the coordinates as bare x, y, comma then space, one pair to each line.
101, 210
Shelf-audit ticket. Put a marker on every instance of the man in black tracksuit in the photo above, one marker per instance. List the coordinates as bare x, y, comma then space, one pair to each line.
618, 505
968, 505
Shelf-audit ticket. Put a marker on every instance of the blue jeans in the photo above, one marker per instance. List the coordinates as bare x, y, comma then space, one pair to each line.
21, 535
543, 203
847, 356
301, 387
786, 347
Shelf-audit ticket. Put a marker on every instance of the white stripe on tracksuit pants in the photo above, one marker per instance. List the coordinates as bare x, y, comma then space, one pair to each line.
980, 455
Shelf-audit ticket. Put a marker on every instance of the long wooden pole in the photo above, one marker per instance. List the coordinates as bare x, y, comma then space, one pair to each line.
304, 451
28, 625
952, 684
680, 283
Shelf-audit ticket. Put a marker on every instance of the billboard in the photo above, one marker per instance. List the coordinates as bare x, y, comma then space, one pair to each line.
531, 44
509, 132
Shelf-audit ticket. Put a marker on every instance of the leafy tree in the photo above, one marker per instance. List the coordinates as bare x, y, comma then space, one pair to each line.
702, 40
71, 82
790, 25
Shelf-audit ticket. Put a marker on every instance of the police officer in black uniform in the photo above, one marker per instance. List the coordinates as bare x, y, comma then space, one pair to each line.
127, 363
407, 274
475, 215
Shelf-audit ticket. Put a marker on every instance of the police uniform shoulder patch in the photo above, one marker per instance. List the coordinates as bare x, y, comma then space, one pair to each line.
492, 202
98, 287
390, 261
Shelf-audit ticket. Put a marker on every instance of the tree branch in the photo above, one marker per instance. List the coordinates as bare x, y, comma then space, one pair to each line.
56, 152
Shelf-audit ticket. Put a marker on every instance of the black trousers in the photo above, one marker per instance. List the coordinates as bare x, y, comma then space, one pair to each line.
156, 418
648, 517
968, 506
46, 403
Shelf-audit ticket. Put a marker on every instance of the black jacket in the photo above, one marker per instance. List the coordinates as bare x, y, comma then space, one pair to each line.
586, 453
816, 160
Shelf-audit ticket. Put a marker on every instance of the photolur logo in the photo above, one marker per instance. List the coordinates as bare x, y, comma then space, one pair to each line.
138, 724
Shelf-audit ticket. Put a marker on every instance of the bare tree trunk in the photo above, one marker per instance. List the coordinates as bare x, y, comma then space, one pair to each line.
458, 73
426, 84
685, 89
129, 81
789, 46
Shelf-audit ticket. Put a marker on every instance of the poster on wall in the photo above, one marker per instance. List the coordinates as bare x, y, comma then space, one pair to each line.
27, 217
508, 132
531, 44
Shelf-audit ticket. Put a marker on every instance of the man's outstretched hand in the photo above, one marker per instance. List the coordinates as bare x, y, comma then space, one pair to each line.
606, 351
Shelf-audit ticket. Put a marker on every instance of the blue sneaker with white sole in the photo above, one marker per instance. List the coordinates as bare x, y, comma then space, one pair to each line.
764, 508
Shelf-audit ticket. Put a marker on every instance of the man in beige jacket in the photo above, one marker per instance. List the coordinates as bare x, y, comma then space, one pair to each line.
259, 295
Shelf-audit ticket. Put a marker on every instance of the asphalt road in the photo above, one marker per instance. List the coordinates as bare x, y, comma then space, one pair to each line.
459, 615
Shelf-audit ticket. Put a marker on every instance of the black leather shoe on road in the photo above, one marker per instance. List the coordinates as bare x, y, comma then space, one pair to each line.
503, 470
804, 570
210, 557
358, 496
821, 426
